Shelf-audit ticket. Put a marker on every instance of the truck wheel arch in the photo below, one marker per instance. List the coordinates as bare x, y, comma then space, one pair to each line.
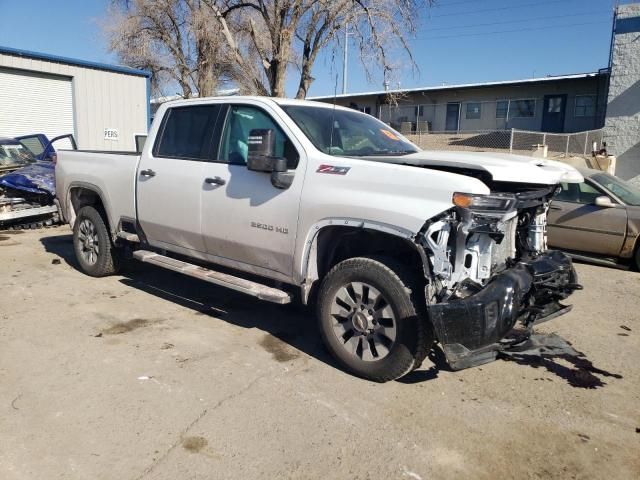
82, 194
332, 241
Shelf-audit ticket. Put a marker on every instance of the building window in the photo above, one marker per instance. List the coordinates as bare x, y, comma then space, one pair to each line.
524, 108
585, 106
473, 110
555, 104
419, 110
365, 110
502, 108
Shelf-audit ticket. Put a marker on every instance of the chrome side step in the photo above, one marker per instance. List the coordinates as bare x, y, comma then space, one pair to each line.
263, 292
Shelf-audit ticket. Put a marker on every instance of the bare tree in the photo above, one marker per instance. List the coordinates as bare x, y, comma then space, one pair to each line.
283, 34
378, 28
177, 40
256, 44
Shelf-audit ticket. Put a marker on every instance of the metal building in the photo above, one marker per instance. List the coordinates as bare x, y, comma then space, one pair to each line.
104, 106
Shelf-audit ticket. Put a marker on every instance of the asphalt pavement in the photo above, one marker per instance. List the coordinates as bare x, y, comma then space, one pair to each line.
152, 375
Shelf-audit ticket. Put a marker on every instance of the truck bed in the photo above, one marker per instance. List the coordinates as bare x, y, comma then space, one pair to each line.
114, 173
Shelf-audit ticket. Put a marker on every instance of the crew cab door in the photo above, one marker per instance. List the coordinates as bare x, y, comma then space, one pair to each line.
245, 218
576, 223
170, 178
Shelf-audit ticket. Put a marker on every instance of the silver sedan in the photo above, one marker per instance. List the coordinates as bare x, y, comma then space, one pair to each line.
598, 219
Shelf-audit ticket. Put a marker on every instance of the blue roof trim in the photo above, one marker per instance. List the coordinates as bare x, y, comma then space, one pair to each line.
74, 61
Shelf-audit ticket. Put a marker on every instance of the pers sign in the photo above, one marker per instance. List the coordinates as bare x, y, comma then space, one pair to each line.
111, 134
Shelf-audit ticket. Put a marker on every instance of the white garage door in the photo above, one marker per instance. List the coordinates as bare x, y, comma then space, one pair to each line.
35, 103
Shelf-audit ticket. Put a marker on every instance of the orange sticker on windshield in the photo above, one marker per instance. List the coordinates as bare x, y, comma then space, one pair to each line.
389, 134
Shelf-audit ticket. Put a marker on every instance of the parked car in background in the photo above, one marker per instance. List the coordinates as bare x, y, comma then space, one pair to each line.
598, 219
27, 180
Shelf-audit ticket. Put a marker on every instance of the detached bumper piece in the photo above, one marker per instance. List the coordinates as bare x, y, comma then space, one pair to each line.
472, 330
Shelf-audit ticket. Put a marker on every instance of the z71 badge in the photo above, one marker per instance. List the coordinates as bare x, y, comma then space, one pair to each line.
332, 169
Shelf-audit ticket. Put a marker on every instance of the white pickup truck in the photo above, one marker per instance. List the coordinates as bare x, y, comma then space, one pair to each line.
397, 247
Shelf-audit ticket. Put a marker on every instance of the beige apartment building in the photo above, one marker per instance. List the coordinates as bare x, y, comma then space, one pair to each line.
568, 103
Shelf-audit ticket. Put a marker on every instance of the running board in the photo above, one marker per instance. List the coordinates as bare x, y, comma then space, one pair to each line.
263, 292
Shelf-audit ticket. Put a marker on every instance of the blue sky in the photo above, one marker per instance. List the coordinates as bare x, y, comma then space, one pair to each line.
459, 41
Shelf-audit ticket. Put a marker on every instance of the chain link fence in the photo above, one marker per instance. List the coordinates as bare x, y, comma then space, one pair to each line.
558, 144
479, 141
524, 142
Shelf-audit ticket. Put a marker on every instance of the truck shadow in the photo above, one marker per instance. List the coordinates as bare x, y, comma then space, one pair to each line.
289, 329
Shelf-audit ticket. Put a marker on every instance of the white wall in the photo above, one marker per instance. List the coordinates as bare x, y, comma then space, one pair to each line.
101, 99
622, 125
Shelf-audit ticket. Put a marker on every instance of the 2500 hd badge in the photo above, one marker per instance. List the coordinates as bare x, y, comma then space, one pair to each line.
270, 228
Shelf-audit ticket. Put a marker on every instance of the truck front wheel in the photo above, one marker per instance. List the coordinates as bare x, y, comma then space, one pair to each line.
94, 249
368, 312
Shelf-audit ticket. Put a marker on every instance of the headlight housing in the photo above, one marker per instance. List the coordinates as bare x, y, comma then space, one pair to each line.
493, 203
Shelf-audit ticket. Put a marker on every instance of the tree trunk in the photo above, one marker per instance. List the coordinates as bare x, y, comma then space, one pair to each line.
186, 88
305, 82
278, 77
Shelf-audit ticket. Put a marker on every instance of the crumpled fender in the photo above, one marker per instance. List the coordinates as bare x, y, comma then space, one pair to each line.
36, 178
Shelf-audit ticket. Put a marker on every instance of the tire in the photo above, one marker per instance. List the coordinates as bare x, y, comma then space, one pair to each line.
95, 252
372, 319
636, 258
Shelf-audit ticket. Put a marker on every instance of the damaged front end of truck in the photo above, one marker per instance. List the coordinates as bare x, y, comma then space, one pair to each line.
492, 278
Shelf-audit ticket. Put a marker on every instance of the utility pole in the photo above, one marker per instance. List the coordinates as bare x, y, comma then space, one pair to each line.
344, 58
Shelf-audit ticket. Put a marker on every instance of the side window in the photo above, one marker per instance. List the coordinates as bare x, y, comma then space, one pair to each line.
187, 132
588, 194
568, 193
240, 121
578, 193
140, 141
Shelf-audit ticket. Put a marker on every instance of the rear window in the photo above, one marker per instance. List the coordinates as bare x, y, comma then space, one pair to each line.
187, 132
33, 144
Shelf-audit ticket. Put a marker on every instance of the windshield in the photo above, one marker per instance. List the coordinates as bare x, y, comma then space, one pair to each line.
621, 189
14, 154
353, 134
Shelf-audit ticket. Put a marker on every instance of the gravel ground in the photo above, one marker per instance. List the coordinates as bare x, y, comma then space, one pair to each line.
157, 376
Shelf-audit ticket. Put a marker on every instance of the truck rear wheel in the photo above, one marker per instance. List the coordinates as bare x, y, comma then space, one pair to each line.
94, 249
368, 312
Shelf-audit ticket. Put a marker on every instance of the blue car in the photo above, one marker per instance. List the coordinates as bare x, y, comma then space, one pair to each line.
27, 180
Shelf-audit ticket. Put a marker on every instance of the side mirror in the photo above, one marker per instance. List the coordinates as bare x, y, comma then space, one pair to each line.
260, 157
604, 201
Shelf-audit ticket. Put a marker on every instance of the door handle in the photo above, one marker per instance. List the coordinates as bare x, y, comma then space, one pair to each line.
553, 207
215, 180
148, 173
